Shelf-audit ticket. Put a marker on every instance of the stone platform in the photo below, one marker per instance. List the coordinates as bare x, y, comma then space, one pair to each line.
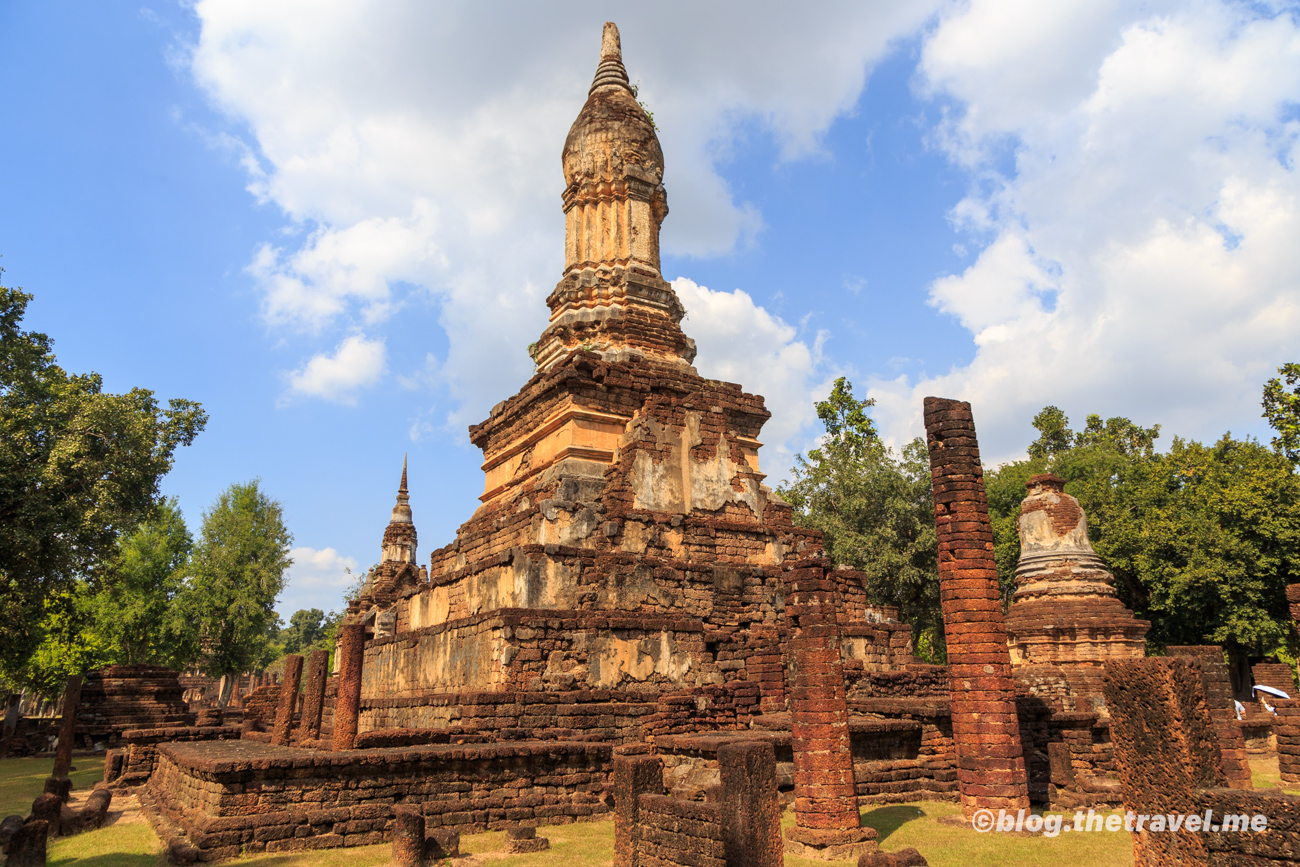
217, 799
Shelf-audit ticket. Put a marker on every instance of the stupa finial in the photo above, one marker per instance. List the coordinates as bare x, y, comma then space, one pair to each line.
610, 72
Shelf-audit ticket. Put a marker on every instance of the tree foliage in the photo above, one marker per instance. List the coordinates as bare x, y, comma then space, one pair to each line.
309, 629
78, 466
236, 573
1282, 409
873, 506
133, 610
1202, 540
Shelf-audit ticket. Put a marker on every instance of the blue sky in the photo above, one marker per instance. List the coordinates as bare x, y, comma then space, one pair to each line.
336, 228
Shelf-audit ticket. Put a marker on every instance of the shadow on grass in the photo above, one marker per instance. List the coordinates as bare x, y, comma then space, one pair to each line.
887, 820
114, 860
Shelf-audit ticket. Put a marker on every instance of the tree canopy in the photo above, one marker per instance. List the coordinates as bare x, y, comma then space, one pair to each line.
78, 467
236, 573
1282, 409
874, 508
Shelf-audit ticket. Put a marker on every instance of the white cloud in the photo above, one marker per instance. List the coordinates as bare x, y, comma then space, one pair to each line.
356, 363
418, 143
1143, 259
739, 341
316, 579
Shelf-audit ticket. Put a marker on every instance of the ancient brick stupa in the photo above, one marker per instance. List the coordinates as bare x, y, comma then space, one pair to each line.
1065, 614
622, 489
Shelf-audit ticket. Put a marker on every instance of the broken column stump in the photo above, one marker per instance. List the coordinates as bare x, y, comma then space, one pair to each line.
523, 838
288, 699
751, 813
313, 702
27, 845
1165, 748
827, 822
351, 651
633, 776
985, 728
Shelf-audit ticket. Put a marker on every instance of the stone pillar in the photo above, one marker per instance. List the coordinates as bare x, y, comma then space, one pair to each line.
751, 814
408, 838
985, 730
288, 699
827, 823
1223, 710
351, 653
1293, 599
48, 808
67, 738
1287, 729
634, 776
313, 704
1165, 748
27, 846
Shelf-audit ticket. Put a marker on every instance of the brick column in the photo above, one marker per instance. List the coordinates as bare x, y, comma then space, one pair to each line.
750, 813
408, 838
634, 776
985, 730
1286, 727
1223, 710
313, 702
1165, 748
288, 699
351, 653
827, 824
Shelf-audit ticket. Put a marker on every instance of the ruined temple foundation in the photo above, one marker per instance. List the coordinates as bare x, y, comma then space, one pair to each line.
627, 586
985, 727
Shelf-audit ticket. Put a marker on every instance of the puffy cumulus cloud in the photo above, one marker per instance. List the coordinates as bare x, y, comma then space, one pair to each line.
419, 143
739, 341
355, 363
1141, 256
317, 579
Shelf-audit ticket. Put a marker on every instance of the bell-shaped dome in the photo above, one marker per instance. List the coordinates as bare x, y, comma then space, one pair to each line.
612, 132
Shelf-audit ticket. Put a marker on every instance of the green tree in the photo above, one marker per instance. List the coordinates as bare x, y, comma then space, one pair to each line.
874, 508
77, 467
236, 573
132, 611
306, 628
1282, 409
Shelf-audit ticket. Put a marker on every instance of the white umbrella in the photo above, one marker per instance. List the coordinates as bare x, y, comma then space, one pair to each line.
1270, 690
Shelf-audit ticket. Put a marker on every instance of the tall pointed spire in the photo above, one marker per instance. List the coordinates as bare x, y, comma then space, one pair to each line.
402, 511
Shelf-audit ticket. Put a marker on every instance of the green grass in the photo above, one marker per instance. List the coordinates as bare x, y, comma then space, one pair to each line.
133, 845
23, 780
1265, 775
